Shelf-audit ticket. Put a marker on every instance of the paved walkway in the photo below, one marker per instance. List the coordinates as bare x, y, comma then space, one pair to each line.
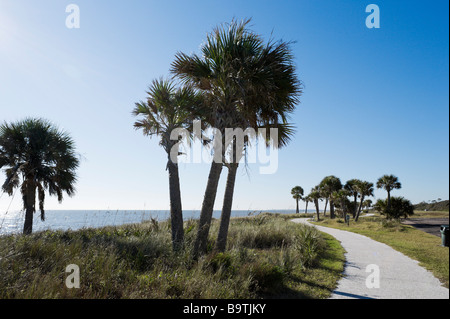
400, 277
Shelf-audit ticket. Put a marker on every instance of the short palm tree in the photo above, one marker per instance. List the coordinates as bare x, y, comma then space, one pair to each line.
364, 189
351, 186
316, 196
388, 183
168, 108
297, 194
329, 185
38, 157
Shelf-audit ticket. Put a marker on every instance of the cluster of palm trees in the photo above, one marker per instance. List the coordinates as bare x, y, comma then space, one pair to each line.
345, 196
238, 81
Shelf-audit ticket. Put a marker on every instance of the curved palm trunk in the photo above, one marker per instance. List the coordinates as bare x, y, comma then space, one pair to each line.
316, 203
325, 209
176, 212
359, 208
226, 209
306, 209
29, 201
207, 209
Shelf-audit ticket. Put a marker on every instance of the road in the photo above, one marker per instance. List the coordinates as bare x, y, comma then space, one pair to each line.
374, 270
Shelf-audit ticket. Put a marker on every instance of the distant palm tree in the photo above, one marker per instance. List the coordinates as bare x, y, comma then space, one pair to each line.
307, 199
340, 196
297, 194
247, 84
328, 185
37, 157
315, 196
388, 183
364, 189
351, 186
168, 108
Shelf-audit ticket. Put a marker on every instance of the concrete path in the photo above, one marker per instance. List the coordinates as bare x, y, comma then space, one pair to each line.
376, 271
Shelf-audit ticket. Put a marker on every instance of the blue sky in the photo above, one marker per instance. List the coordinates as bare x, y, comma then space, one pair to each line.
375, 101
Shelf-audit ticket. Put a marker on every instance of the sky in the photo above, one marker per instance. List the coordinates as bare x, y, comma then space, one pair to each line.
375, 100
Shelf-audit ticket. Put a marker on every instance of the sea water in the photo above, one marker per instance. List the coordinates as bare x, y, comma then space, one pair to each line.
12, 222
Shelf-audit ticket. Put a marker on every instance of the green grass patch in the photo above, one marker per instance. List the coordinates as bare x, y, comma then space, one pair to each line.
267, 257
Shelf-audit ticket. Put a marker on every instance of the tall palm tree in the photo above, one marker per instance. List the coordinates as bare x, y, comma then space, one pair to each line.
297, 194
248, 84
38, 157
330, 184
167, 109
388, 183
364, 189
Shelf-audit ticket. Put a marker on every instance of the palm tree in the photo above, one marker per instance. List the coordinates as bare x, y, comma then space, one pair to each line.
328, 185
364, 189
297, 194
388, 183
167, 109
340, 196
351, 187
307, 199
248, 84
38, 157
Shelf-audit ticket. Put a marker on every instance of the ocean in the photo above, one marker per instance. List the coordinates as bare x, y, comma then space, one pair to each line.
12, 222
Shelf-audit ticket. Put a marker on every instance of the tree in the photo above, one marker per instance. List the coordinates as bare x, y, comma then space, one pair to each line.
328, 185
297, 194
388, 183
367, 204
167, 109
38, 157
364, 189
248, 84
340, 197
315, 196
351, 186
307, 199
400, 208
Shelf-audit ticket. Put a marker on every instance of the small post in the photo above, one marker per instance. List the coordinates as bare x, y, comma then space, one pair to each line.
347, 219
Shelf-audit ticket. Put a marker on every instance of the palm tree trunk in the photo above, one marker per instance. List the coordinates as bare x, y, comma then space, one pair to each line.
359, 208
354, 206
306, 209
325, 209
207, 209
226, 209
331, 209
297, 211
316, 203
176, 212
29, 201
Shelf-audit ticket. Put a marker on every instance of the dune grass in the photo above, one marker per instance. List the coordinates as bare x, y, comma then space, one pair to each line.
414, 243
267, 257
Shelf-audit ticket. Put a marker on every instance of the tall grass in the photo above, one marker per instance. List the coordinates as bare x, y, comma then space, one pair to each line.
266, 256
